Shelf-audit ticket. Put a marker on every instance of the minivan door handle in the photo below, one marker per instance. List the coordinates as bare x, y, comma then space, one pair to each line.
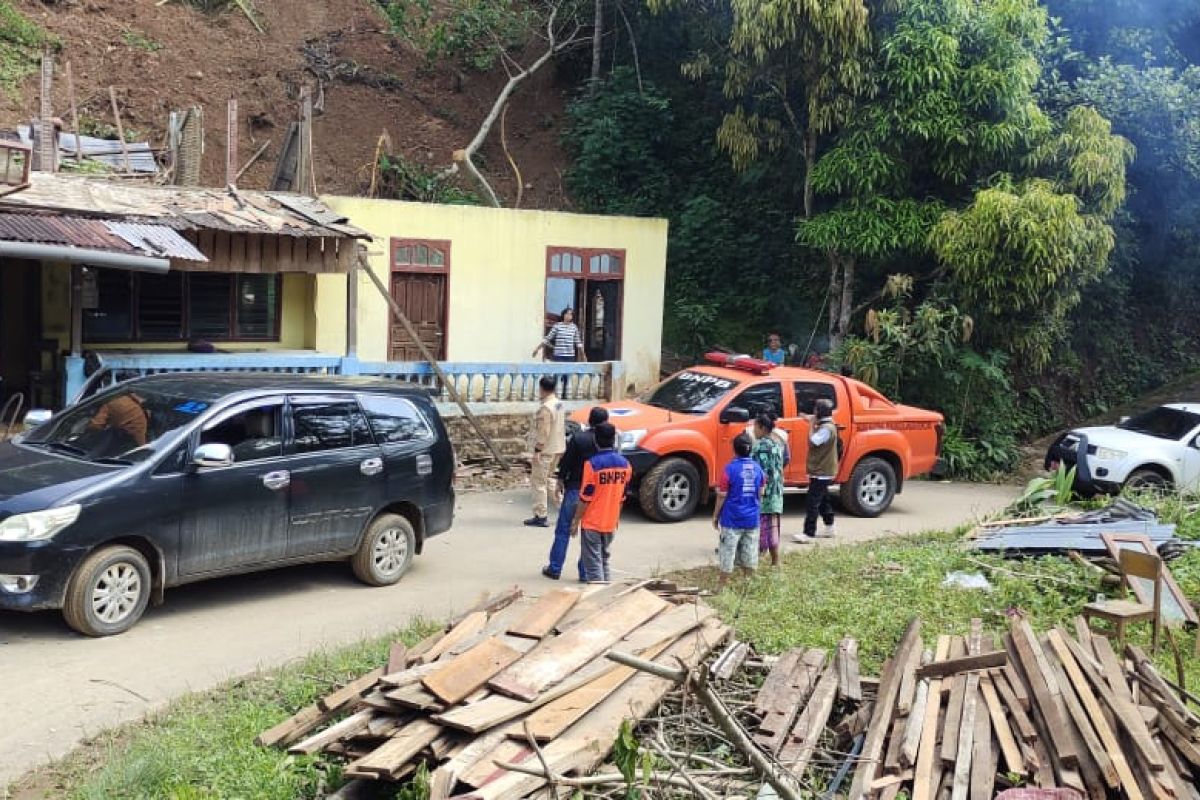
371, 466
277, 480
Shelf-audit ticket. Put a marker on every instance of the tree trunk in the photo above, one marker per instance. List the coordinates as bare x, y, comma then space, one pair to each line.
597, 44
810, 162
841, 297
847, 308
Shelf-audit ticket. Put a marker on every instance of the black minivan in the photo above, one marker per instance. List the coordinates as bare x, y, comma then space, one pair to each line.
171, 479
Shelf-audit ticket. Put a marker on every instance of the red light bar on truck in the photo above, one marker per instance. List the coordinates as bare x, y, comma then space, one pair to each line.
758, 366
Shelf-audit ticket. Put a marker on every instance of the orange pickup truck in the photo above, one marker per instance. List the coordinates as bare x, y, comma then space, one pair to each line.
680, 434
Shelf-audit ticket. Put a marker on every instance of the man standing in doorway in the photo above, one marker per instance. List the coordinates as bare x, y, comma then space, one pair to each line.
580, 450
822, 469
549, 441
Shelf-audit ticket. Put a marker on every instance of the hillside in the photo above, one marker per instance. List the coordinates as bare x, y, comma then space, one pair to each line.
167, 57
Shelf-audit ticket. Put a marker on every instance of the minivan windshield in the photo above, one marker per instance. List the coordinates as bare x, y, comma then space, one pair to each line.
689, 392
1163, 422
122, 427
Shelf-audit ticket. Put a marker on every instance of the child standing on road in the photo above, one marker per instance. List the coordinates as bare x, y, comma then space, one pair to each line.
605, 477
736, 515
768, 454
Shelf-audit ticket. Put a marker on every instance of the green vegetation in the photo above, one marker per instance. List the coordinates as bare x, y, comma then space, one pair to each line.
201, 746
21, 43
140, 41
473, 33
401, 179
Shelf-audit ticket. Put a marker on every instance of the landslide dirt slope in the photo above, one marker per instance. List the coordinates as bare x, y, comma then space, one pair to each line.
167, 57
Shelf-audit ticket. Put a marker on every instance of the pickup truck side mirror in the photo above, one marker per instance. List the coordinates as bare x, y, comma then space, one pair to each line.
36, 417
1123, 420
213, 454
735, 415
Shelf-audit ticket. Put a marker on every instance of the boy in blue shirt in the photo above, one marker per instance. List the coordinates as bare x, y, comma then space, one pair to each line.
736, 515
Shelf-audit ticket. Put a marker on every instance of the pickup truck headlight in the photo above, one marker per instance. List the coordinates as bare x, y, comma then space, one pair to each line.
1109, 454
631, 439
37, 526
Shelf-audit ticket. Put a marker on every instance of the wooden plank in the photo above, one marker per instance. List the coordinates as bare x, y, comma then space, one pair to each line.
417, 697
849, 680
554, 659
908, 680
1084, 725
1039, 677
891, 753
397, 658
913, 724
1013, 760
1025, 728
890, 780
339, 730
1121, 772
925, 775
730, 660
788, 701
951, 723
540, 620
806, 733
496, 709
983, 754
1145, 667
1083, 633
468, 672
407, 677
549, 721
1115, 692
393, 755
588, 742
885, 706
472, 624
351, 691
476, 751
961, 789
1020, 690
776, 681
491, 603
964, 664
293, 727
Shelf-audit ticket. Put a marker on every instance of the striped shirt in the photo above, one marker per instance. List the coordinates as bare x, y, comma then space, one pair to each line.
565, 339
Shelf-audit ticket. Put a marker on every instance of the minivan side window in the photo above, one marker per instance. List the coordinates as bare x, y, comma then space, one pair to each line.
328, 426
252, 434
395, 420
761, 397
808, 393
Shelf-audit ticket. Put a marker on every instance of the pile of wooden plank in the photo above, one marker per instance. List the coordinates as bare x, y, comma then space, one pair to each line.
518, 682
967, 716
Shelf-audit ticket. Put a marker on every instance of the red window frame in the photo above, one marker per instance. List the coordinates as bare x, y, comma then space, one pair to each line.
444, 246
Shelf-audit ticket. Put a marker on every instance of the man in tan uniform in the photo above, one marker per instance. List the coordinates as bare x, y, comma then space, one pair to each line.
549, 441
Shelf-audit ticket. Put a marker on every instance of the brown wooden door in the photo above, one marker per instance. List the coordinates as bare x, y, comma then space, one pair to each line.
422, 298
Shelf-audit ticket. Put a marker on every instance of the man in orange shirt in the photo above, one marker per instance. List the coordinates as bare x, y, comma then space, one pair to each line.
605, 477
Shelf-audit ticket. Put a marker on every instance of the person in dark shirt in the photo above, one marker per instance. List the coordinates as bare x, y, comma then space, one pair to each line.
580, 448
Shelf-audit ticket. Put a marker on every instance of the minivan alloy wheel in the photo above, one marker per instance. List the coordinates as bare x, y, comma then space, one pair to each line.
390, 552
116, 593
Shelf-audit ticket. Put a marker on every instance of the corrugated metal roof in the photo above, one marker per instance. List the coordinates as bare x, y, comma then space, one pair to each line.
156, 240
97, 234
107, 151
181, 208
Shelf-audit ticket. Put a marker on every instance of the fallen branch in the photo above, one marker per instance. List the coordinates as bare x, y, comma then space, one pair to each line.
1033, 576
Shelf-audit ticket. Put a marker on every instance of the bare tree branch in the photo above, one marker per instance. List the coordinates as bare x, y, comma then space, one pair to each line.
637, 62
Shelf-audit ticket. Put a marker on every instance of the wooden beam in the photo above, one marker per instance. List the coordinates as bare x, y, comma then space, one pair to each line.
539, 621
964, 664
885, 707
112, 96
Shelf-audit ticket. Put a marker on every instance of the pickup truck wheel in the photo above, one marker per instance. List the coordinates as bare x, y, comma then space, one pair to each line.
108, 592
386, 551
1147, 480
871, 488
670, 491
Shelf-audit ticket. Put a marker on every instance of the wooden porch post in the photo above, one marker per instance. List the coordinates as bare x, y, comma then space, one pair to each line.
352, 309
76, 310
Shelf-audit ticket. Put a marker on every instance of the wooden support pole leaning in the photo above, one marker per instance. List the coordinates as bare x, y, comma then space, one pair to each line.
428, 356
74, 113
112, 98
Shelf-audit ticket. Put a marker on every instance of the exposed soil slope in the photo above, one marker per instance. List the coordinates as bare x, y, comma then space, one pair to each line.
164, 58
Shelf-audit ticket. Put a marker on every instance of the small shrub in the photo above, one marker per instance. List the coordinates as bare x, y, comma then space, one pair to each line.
140, 41
470, 32
401, 179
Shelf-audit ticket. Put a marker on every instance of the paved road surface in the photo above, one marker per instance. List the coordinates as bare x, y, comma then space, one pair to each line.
56, 687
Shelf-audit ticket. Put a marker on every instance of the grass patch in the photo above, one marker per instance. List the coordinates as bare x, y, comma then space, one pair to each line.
201, 746
21, 43
140, 41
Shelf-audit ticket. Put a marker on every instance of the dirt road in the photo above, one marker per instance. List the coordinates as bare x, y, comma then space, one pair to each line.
58, 687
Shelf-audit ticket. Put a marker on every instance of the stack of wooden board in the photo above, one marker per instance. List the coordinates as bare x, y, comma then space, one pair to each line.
510, 675
960, 719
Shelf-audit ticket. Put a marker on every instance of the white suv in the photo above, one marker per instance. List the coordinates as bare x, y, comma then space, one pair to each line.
1157, 448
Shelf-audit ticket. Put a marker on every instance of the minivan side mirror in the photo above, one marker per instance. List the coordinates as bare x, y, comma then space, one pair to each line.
735, 415
213, 454
36, 417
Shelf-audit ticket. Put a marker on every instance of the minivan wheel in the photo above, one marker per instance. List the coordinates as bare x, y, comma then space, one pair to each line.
108, 592
386, 551
871, 488
670, 491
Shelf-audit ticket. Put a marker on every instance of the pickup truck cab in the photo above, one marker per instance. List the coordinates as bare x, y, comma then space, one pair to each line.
680, 434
